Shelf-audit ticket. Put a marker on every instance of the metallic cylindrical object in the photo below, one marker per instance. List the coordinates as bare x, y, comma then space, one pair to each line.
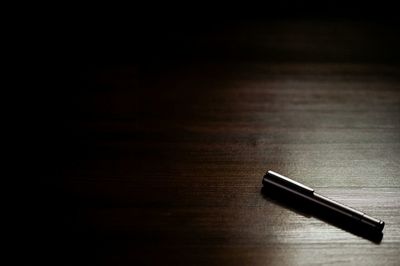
291, 186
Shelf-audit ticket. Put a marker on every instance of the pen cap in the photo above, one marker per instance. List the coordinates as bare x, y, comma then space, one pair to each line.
272, 178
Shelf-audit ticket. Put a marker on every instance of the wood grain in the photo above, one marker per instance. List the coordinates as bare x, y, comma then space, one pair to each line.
167, 158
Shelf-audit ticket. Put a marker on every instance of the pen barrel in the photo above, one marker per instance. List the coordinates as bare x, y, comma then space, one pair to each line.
336, 206
348, 211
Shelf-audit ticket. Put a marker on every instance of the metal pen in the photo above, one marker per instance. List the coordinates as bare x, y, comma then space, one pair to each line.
291, 186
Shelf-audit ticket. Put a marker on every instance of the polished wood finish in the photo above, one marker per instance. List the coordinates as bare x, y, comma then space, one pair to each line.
164, 157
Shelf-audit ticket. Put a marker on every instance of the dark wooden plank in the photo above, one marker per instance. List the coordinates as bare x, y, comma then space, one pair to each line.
168, 158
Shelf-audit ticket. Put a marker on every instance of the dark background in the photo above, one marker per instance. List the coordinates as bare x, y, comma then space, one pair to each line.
151, 126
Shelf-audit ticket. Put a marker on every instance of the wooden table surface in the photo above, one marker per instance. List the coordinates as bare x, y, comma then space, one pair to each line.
164, 158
